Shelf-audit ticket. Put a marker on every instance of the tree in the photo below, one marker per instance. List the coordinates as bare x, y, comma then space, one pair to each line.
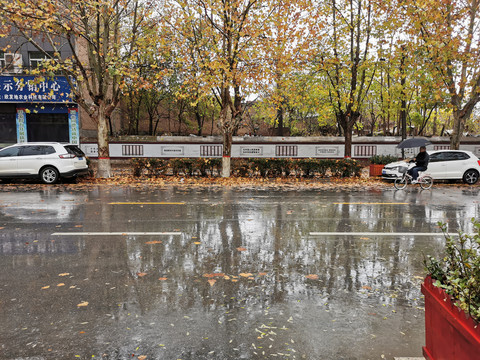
103, 37
217, 43
450, 41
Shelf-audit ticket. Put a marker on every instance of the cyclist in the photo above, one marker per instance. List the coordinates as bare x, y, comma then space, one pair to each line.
421, 164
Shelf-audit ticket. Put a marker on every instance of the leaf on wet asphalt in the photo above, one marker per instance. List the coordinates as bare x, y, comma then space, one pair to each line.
78, 226
153, 242
312, 276
289, 212
162, 278
214, 275
197, 242
46, 287
212, 282
2, 227
364, 238
366, 287
64, 274
142, 357
262, 274
61, 284
241, 249
83, 303
246, 275
141, 274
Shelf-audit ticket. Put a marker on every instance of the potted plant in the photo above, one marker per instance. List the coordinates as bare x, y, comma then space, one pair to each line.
452, 299
377, 162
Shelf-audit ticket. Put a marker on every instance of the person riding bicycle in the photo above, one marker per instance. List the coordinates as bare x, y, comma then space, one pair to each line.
421, 164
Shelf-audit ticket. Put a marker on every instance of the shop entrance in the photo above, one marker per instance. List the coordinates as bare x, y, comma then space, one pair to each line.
47, 127
8, 125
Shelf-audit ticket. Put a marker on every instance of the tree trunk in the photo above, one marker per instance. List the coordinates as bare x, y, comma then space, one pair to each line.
227, 152
458, 125
104, 168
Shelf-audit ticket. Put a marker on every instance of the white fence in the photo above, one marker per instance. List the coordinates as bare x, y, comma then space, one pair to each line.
269, 147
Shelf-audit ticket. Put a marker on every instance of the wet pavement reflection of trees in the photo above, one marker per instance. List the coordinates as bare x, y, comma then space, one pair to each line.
233, 285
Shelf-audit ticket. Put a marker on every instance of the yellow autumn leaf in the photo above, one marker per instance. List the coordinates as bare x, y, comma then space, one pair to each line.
83, 303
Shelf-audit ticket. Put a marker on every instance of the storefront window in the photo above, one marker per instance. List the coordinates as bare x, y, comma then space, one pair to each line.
8, 125
47, 127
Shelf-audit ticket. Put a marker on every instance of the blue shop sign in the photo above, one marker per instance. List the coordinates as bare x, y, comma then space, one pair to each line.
31, 89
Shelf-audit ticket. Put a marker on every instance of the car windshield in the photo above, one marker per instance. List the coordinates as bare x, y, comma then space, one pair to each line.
75, 150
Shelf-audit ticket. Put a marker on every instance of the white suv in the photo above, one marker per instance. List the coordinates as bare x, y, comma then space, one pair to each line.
444, 165
47, 161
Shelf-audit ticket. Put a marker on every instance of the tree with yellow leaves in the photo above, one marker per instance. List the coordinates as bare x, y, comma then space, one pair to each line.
103, 37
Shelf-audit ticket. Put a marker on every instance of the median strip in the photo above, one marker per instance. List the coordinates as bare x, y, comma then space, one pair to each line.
363, 234
146, 203
116, 233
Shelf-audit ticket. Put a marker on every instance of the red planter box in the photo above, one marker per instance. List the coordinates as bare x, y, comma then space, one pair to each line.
449, 332
376, 169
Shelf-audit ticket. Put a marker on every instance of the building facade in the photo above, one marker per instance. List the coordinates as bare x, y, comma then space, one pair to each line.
33, 108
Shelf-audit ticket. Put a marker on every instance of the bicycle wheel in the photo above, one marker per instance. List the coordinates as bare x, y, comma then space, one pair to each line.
426, 182
400, 183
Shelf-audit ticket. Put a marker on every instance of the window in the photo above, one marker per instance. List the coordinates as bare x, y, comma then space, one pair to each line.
75, 150
37, 57
13, 151
452, 156
2, 60
36, 150
437, 157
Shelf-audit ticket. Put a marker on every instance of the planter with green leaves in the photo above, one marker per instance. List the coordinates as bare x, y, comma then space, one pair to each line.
452, 299
377, 162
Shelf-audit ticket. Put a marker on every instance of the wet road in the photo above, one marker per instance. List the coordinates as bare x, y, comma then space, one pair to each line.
129, 273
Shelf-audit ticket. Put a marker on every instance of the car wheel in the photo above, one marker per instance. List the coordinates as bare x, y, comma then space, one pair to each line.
49, 175
470, 177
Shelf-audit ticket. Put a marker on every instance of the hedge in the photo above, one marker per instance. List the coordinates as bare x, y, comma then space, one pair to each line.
254, 167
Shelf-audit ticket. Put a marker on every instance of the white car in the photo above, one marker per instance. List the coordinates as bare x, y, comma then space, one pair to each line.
48, 161
444, 165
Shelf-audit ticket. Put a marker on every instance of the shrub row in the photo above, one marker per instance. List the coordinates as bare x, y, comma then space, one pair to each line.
152, 167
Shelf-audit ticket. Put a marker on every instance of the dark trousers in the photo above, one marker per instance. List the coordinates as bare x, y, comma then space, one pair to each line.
414, 171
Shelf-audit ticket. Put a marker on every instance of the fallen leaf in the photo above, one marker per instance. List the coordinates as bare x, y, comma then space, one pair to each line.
78, 226
142, 357
366, 287
241, 249
64, 274
364, 238
61, 284
2, 227
197, 242
312, 276
262, 274
83, 303
162, 278
81, 332
46, 287
214, 275
246, 275
141, 274
212, 282
153, 242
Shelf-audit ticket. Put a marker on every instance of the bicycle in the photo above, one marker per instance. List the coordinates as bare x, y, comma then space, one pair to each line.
424, 180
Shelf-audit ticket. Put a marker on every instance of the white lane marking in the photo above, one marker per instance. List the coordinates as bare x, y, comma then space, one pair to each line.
348, 233
115, 233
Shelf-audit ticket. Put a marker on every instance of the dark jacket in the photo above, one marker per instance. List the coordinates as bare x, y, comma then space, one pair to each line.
422, 159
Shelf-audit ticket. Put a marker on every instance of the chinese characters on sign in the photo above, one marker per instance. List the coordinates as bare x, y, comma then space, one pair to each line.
73, 126
35, 89
21, 126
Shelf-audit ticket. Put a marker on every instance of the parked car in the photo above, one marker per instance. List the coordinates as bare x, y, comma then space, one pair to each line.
47, 161
444, 165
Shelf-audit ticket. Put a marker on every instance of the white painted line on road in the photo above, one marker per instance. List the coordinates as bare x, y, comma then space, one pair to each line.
116, 233
348, 233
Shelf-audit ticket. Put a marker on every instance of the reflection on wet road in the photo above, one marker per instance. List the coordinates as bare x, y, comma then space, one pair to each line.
122, 273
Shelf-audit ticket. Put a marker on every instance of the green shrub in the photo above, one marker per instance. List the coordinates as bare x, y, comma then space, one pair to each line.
458, 273
383, 159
